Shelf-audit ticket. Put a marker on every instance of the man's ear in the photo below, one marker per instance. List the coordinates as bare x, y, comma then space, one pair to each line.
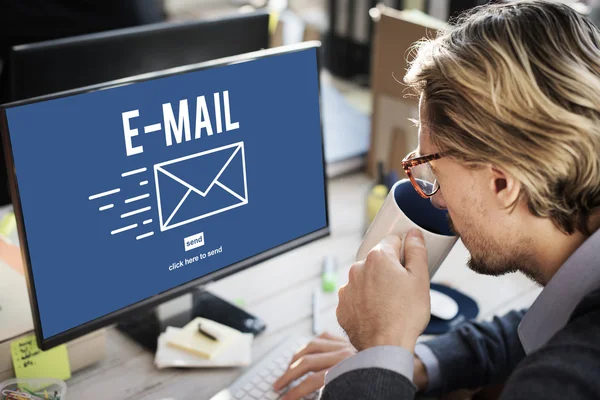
505, 188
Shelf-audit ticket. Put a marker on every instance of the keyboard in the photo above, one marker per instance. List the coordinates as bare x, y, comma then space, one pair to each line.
256, 383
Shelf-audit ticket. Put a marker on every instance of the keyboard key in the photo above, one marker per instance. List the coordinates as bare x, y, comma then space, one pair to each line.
257, 384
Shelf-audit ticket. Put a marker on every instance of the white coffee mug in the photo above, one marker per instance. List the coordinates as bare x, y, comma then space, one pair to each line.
403, 210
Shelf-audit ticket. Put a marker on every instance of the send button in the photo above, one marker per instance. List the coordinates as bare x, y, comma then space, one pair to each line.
194, 241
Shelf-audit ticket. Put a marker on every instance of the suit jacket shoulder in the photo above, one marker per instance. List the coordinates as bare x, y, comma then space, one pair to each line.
568, 366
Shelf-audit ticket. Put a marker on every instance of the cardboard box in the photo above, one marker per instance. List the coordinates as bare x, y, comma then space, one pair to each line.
392, 134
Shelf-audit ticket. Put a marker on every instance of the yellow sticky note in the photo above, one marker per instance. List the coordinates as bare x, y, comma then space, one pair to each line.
31, 362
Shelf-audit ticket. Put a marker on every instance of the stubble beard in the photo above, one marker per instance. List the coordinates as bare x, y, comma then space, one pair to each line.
486, 258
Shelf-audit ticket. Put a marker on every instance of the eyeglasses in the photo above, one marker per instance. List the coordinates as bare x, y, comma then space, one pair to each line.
421, 174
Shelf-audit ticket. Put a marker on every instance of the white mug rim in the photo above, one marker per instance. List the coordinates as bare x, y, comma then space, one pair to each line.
392, 193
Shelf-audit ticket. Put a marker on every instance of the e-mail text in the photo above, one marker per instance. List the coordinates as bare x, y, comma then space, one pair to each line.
177, 128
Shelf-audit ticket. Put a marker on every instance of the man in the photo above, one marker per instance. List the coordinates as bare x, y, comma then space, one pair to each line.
510, 120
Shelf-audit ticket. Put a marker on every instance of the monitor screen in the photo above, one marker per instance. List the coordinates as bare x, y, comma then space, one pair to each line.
132, 191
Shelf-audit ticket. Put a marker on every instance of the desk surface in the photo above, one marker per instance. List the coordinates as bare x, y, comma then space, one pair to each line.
281, 295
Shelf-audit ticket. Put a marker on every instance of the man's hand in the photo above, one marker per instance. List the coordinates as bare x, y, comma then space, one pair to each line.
385, 303
321, 354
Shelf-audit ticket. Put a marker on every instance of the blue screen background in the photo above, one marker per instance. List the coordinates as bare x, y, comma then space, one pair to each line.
68, 149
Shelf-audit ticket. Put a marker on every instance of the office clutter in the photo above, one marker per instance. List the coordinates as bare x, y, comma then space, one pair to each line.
33, 389
346, 107
378, 192
392, 134
347, 40
203, 343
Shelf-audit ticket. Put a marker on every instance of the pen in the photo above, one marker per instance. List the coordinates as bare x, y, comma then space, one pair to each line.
315, 312
205, 333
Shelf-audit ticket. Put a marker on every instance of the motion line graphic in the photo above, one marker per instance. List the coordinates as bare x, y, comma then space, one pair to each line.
126, 222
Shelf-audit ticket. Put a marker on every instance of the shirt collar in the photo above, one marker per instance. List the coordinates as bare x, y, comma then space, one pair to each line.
577, 277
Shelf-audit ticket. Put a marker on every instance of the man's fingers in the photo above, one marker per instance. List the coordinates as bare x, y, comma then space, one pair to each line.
301, 367
415, 253
311, 384
329, 336
306, 364
319, 345
390, 244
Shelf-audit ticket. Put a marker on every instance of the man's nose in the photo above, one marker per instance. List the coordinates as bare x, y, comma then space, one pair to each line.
438, 200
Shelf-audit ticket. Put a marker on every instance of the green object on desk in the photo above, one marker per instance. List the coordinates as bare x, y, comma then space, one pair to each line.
329, 275
329, 282
240, 302
31, 362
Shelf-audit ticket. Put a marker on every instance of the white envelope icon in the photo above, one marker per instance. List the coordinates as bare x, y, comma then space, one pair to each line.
200, 185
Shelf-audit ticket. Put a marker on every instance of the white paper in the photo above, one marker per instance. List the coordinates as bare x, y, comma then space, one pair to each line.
238, 353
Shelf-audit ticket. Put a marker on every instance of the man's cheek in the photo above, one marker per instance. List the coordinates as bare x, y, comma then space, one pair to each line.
451, 223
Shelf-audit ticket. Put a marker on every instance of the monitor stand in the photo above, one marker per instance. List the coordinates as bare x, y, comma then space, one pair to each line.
145, 327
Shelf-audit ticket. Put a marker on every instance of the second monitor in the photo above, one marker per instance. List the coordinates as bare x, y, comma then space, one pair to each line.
57, 65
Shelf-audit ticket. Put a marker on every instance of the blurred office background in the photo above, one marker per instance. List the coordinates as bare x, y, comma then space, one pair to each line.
362, 124
47, 46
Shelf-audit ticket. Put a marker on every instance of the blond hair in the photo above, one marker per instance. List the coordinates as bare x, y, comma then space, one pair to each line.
517, 85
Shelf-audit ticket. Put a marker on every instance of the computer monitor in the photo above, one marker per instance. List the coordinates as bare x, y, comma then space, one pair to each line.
133, 192
57, 65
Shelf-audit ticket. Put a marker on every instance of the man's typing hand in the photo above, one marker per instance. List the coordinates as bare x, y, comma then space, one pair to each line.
384, 302
321, 354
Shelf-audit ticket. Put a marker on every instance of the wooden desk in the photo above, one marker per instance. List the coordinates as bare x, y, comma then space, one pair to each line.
279, 291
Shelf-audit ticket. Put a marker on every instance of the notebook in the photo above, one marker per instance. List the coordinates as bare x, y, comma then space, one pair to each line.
237, 354
189, 339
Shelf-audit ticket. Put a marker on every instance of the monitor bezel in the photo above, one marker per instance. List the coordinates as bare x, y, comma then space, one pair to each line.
17, 52
157, 299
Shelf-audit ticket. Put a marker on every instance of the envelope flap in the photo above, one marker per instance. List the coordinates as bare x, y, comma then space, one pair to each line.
199, 171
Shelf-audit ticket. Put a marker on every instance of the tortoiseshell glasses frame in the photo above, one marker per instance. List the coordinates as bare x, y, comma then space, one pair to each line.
410, 161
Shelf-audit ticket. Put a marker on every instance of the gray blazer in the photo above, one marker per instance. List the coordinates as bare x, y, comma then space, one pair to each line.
479, 354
